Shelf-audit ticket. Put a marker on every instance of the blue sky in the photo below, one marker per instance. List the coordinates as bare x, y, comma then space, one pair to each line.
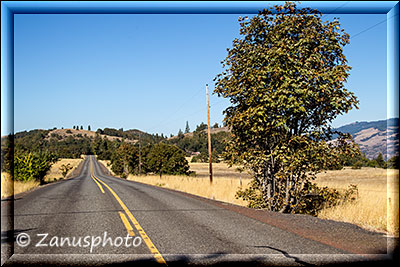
149, 71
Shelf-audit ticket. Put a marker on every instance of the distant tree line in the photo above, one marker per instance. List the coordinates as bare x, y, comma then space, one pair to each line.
63, 147
134, 134
160, 159
157, 154
378, 162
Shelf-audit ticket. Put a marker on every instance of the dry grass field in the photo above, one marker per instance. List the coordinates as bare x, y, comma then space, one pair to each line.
19, 187
55, 172
222, 188
377, 207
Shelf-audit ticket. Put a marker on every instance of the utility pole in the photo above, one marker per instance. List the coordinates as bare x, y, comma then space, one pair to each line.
209, 136
140, 155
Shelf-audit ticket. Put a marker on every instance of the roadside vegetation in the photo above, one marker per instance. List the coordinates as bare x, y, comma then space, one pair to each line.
23, 170
8, 186
377, 203
55, 173
62, 169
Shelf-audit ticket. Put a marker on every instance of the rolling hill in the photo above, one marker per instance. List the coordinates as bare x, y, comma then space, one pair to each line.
375, 137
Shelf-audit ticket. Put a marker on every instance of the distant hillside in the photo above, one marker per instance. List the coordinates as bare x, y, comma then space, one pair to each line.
62, 134
375, 137
72, 143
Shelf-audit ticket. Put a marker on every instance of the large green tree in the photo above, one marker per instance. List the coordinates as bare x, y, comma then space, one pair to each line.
285, 80
125, 160
167, 159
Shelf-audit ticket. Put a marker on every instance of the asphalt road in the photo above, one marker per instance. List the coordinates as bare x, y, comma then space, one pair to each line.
96, 219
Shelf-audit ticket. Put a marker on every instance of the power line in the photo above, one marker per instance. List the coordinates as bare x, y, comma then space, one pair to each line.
171, 117
373, 26
176, 111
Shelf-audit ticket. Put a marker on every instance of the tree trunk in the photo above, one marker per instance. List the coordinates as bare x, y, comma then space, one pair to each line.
286, 202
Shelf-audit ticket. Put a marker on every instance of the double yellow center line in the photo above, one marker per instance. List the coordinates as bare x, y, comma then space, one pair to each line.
125, 221
94, 177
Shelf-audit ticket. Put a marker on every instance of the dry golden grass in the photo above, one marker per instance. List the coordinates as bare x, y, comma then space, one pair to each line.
222, 188
55, 173
19, 187
377, 207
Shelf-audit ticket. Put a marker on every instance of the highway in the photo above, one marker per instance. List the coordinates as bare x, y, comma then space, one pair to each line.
97, 219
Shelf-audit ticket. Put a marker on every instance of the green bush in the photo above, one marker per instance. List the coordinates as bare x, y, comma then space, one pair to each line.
311, 201
313, 198
167, 159
357, 165
33, 166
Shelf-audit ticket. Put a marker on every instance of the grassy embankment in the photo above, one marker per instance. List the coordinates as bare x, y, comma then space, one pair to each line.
53, 175
377, 207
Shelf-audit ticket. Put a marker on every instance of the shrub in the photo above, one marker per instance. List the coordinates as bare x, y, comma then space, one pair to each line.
167, 159
311, 201
33, 166
65, 168
357, 165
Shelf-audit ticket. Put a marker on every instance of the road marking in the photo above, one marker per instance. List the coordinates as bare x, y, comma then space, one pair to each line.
92, 175
127, 224
145, 237
99, 185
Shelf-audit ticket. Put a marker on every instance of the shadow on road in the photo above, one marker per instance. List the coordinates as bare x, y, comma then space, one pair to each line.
287, 255
10, 235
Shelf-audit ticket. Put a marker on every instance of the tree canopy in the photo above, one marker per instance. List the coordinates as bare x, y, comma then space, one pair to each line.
285, 80
167, 159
